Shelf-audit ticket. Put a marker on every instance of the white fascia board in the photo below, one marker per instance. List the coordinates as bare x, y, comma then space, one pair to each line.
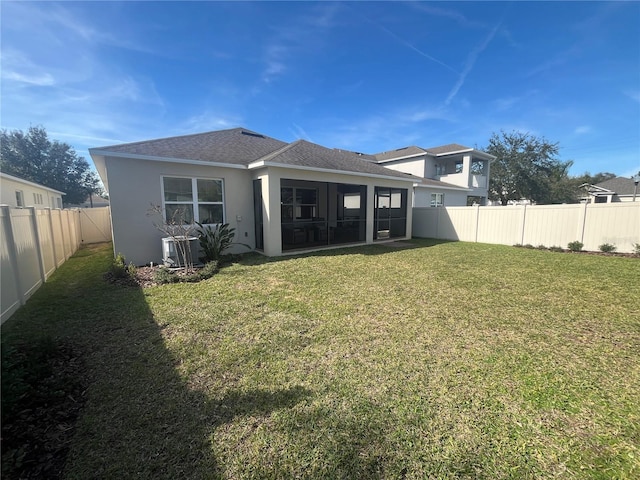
478, 153
404, 158
32, 184
462, 189
456, 152
326, 170
153, 158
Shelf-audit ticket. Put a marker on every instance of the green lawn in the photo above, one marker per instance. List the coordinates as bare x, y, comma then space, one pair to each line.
444, 360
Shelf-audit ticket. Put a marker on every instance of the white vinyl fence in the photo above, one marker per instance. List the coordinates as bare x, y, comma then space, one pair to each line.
548, 225
35, 242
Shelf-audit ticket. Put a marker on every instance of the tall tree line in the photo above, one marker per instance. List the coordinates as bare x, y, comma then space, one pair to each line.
32, 156
528, 167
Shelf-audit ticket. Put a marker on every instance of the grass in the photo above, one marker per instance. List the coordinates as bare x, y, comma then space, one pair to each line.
444, 360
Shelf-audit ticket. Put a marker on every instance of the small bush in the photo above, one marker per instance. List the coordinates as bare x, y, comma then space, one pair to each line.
208, 271
555, 248
541, 247
118, 267
517, 245
529, 246
607, 248
132, 270
163, 275
575, 246
636, 248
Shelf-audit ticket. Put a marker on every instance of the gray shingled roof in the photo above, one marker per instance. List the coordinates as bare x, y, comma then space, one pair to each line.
307, 154
237, 146
428, 182
450, 148
619, 185
399, 153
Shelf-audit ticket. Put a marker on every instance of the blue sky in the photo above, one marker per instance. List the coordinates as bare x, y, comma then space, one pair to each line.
363, 76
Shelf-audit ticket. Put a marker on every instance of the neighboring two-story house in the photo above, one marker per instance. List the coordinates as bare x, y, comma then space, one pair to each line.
452, 175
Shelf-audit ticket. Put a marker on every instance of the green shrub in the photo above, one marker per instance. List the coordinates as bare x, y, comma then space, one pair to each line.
164, 275
529, 246
118, 267
208, 271
541, 247
555, 248
575, 246
636, 248
215, 241
607, 248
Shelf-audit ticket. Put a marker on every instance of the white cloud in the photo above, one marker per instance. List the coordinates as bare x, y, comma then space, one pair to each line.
633, 95
582, 130
300, 132
468, 66
208, 121
300, 36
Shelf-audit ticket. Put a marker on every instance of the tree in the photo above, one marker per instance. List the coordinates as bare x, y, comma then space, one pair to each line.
525, 167
32, 156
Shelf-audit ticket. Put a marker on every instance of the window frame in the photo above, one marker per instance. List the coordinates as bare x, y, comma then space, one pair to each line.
20, 198
295, 206
434, 199
195, 203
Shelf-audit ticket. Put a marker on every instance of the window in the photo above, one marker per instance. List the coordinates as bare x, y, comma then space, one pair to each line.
188, 200
37, 198
477, 166
19, 198
459, 166
59, 202
437, 199
298, 203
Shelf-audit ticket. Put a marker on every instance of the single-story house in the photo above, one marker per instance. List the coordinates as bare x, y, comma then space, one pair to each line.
92, 201
280, 197
618, 189
16, 192
449, 175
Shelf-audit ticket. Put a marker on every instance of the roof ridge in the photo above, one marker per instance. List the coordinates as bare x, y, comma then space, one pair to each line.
139, 142
275, 153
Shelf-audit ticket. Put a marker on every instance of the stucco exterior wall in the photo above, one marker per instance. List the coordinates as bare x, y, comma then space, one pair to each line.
135, 185
8, 194
414, 166
271, 177
452, 198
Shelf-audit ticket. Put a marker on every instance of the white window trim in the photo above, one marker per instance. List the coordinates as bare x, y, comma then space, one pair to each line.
20, 198
194, 197
437, 204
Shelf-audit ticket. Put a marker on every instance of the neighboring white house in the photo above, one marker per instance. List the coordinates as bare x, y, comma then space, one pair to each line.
279, 196
92, 201
618, 189
451, 175
17, 192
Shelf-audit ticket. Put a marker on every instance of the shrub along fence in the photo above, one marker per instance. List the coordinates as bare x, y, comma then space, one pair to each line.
35, 242
548, 225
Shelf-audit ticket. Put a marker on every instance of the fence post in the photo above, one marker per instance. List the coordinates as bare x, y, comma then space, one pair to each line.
36, 238
12, 250
64, 250
53, 239
477, 223
582, 221
524, 220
